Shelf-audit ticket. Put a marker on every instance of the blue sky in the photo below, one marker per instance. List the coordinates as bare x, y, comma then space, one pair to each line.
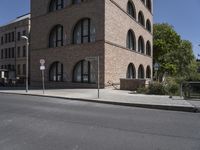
184, 15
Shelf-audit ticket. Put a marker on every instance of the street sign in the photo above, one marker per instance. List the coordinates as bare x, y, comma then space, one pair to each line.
92, 58
156, 66
42, 67
42, 62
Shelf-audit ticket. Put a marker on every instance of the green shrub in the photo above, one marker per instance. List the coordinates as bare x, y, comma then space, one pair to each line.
156, 88
172, 86
142, 90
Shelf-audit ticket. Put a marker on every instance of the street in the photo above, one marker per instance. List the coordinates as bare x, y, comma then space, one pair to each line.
38, 123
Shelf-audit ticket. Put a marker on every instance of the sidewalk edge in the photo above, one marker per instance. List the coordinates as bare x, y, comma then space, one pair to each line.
148, 106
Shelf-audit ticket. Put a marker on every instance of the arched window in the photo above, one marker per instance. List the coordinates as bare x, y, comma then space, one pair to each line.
131, 72
148, 48
141, 45
56, 72
84, 32
148, 4
56, 37
84, 72
141, 72
76, 1
148, 25
141, 18
131, 9
148, 72
130, 40
56, 5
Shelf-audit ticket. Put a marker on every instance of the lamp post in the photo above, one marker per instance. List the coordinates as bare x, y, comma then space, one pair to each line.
27, 60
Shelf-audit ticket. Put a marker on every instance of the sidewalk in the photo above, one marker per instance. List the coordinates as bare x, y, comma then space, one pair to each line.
116, 97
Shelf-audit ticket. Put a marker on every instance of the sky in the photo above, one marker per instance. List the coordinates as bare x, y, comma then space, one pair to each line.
183, 15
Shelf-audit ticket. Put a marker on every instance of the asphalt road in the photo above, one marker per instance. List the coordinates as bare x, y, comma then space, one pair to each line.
35, 123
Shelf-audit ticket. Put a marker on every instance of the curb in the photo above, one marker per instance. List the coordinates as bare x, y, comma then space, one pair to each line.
148, 106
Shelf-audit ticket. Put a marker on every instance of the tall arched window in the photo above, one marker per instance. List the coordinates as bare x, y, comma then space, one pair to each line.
76, 1
56, 37
148, 48
131, 72
56, 72
148, 72
130, 40
131, 9
148, 25
141, 18
84, 72
56, 5
141, 72
148, 4
141, 45
84, 32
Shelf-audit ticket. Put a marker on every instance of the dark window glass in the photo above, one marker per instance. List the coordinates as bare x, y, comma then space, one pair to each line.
24, 32
13, 52
56, 37
2, 53
2, 40
84, 72
141, 72
9, 52
24, 51
131, 9
148, 25
130, 40
148, 4
56, 5
141, 45
24, 69
84, 32
13, 36
18, 51
18, 69
148, 48
9, 37
6, 53
6, 38
141, 18
130, 71
19, 36
56, 72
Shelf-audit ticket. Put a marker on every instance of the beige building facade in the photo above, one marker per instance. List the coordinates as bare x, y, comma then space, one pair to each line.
66, 32
13, 49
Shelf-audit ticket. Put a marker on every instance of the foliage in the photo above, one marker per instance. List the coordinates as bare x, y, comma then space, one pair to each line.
171, 86
156, 88
174, 55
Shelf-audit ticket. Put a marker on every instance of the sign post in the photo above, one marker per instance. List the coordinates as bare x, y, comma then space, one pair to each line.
42, 68
96, 58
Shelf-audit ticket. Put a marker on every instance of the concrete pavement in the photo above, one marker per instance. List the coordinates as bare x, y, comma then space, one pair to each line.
117, 97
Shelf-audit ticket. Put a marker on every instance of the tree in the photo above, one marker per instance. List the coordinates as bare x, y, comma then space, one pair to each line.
174, 55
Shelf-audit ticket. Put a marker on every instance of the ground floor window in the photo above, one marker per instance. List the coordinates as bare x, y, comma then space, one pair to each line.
130, 71
141, 72
56, 72
84, 72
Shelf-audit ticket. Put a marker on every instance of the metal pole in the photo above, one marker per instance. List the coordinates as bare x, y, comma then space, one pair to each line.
98, 76
27, 63
43, 81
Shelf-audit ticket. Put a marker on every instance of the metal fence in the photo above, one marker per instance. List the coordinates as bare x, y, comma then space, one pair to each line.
191, 90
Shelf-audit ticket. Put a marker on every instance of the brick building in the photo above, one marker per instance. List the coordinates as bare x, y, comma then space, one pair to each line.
65, 32
13, 49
